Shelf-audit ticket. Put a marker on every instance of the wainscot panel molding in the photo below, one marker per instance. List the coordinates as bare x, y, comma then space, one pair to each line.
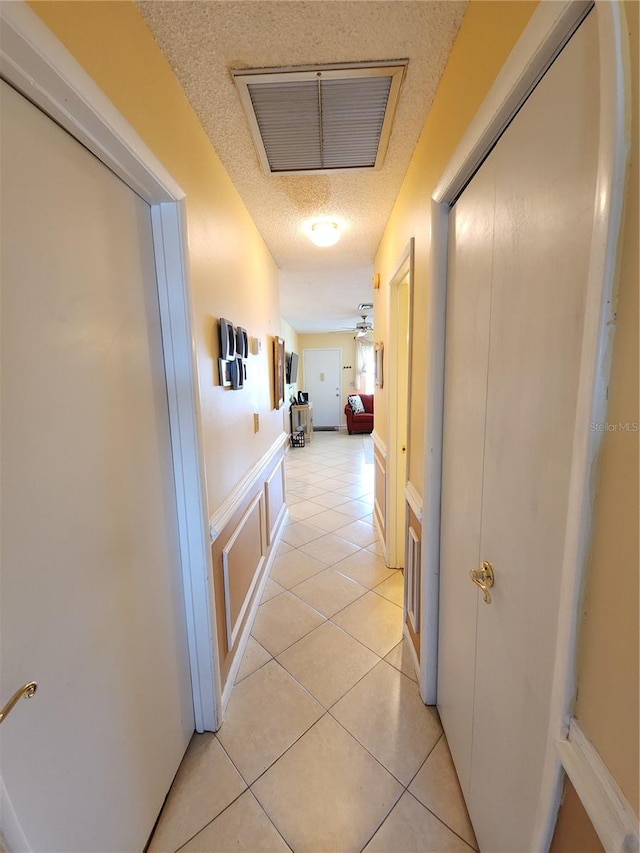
608, 809
245, 630
221, 517
414, 499
413, 578
274, 491
379, 444
247, 531
380, 488
406, 632
242, 559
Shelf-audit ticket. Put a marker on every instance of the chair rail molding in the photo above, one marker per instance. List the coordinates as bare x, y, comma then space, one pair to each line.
222, 516
414, 499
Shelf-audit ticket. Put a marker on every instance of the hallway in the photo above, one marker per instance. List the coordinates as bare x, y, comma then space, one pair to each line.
326, 744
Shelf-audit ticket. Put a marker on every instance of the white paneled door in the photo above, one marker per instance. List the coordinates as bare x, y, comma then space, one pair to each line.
323, 381
92, 606
518, 266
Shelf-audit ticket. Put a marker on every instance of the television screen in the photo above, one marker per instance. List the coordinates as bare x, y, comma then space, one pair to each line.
292, 368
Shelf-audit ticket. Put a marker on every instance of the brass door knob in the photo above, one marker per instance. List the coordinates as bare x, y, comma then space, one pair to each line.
484, 579
27, 690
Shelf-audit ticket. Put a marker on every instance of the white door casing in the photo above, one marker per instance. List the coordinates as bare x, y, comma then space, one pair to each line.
397, 390
550, 27
323, 383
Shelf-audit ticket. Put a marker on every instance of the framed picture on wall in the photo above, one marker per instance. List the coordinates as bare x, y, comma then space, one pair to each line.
278, 372
242, 343
237, 374
379, 374
224, 372
227, 340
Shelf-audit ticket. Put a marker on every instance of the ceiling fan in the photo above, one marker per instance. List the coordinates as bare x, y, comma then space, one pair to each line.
363, 329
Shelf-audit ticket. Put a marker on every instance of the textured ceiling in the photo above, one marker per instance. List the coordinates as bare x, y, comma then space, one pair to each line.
205, 39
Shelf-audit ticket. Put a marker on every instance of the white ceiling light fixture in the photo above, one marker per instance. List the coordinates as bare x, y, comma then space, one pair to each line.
330, 118
324, 232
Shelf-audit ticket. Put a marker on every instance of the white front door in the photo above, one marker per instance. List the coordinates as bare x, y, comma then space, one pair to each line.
92, 606
322, 381
519, 252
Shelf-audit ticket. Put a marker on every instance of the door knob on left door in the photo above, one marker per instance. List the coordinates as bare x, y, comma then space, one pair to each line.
483, 578
27, 690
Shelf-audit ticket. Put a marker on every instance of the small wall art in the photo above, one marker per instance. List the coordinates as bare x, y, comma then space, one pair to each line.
227, 340
242, 342
237, 374
278, 372
224, 372
234, 350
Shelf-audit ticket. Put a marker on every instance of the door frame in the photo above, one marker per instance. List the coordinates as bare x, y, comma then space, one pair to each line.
549, 29
35, 63
395, 532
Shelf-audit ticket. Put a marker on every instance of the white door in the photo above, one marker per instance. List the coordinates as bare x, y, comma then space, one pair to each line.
519, 251
322, 381
92, 606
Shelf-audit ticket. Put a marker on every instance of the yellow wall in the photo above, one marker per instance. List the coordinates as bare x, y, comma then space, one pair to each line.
608, 665
232, 272
488, 32
345, 343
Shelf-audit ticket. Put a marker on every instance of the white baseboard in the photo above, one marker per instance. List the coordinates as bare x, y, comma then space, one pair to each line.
612, 816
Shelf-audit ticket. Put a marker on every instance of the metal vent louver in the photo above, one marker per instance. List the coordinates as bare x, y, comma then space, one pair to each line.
311, 120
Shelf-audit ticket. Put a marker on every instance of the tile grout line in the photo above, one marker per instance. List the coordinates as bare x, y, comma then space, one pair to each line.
383, 658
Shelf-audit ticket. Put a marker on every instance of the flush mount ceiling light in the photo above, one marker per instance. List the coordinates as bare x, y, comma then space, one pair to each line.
320, 119
325, 232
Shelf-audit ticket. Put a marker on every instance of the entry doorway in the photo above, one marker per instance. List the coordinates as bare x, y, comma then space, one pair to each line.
322, 381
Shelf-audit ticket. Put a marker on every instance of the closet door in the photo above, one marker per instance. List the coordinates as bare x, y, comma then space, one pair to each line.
497, 659
545, 192
466, 366
92, 605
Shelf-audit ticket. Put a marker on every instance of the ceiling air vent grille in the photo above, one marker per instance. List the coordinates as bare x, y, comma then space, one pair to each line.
306, 121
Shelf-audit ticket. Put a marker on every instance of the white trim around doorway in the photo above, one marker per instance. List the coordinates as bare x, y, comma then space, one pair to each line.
395, 486
34, 62
549, 29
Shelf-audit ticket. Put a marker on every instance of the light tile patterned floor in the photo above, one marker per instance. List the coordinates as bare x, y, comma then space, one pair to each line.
326, 745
